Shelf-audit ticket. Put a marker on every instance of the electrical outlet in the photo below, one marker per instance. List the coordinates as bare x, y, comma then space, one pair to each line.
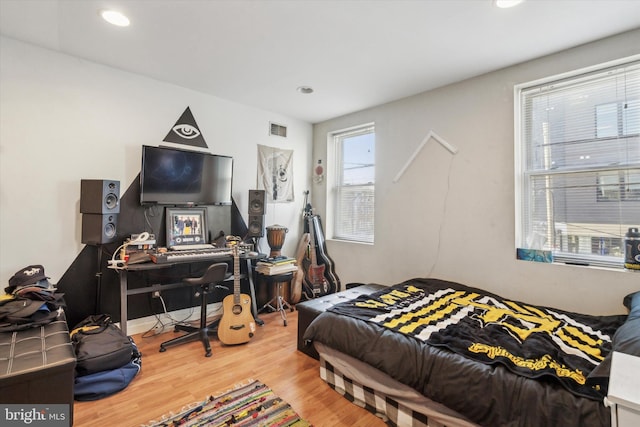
156, 294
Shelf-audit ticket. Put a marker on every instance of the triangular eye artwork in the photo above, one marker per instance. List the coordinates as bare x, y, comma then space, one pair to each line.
186, 131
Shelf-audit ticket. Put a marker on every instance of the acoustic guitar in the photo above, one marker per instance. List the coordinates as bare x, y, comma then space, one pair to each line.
296, 288
314, 281
237, 324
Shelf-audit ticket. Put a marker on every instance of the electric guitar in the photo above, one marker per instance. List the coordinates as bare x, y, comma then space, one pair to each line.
237, 324
314, 281
330, 271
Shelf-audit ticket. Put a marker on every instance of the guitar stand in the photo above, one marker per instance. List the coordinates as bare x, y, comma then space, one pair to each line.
278, 299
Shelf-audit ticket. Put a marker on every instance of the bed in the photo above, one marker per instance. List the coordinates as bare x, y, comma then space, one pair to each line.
428, 352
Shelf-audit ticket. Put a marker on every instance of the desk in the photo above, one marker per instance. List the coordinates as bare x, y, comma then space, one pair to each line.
125, 291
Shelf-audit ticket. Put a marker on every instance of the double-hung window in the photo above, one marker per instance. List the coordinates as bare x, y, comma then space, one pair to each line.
353, 189
578, 163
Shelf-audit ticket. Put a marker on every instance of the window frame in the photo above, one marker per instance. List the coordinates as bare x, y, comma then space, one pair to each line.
524, 176
335, 186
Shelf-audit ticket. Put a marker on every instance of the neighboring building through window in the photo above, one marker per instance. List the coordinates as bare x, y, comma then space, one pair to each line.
578, 163
352, 197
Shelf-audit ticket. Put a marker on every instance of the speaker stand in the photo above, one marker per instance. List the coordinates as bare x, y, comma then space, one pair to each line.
99, 279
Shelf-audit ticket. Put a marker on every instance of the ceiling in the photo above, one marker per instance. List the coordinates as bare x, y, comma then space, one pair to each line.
355, 54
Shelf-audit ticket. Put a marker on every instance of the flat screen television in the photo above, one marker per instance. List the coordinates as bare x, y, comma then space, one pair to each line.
170, 176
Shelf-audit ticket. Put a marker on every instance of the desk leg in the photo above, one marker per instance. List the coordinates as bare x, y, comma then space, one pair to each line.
123, 300
252, 289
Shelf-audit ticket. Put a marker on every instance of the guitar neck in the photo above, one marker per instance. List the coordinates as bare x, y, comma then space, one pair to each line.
312, 245
236, 275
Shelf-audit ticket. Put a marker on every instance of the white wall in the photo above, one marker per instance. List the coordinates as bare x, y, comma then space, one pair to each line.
63, 119
452, 217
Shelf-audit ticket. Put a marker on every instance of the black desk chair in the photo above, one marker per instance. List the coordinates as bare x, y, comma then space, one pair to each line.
214, 275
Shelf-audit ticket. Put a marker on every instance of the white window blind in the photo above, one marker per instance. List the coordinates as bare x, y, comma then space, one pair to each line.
354, 190
578, 164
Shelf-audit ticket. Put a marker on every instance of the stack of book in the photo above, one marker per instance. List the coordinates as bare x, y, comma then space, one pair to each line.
277, 265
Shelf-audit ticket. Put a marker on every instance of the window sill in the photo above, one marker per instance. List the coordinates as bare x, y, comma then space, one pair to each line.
355, 242
596, 267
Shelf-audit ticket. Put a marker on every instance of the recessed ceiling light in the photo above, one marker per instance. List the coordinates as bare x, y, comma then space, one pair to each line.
115, 18
506, 3
305, 89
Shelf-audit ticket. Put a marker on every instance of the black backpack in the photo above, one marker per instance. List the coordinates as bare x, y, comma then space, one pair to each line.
105, 383
100, 345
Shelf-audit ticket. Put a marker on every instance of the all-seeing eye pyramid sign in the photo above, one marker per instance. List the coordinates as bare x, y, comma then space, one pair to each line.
186, 131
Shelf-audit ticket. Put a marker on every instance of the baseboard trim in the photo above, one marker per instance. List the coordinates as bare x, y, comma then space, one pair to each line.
145, 324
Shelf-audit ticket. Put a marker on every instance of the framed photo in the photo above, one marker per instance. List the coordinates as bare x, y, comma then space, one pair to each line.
186, 226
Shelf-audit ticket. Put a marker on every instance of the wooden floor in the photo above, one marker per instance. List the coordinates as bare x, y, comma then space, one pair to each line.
182, 375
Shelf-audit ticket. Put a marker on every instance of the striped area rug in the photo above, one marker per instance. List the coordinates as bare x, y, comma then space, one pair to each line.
253, 404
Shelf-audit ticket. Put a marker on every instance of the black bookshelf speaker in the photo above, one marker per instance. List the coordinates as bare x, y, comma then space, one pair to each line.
98, 229
255, 228
256, 202
99, 196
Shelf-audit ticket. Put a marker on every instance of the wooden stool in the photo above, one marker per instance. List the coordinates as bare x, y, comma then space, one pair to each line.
278, 299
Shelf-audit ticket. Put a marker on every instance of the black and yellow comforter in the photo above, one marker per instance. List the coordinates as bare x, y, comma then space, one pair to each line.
478, 353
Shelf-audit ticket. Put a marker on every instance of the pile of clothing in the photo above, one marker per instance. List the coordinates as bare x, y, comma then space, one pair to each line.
30, 300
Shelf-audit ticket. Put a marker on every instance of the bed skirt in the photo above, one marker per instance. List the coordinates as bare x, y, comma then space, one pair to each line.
393, 402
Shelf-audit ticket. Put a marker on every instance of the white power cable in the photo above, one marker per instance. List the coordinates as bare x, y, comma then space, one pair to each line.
119, 264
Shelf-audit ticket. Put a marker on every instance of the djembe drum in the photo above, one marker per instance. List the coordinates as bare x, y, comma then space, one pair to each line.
275, 238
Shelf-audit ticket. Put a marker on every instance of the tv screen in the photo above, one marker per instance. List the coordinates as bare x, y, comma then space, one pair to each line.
170, 176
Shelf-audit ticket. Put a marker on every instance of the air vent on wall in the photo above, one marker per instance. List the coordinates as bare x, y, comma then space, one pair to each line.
277, 130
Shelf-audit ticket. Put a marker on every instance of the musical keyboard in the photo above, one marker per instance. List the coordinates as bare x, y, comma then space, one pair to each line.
195, 255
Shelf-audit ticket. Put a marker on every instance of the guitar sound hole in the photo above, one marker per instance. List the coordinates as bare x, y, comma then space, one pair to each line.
237, 309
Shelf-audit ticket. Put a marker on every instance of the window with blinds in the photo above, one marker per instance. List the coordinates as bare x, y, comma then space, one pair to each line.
354, 189
578, 163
